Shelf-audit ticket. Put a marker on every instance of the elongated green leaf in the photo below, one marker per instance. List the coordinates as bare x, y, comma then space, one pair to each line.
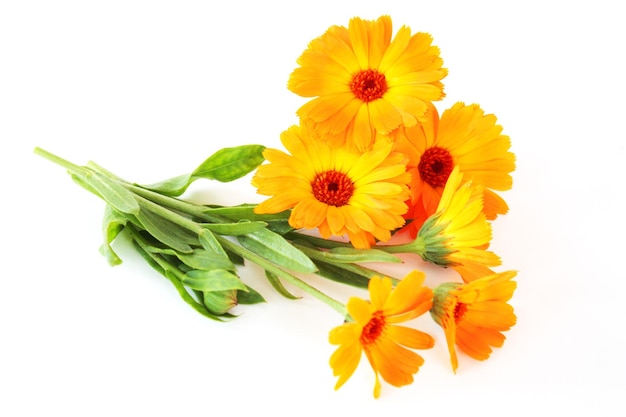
80, 180
245, 211
225, 165
213, 280
235, 229
112, 224
343, 276
209, 242
113, 193
249, 297
228, 164
172, 187
282, 227
182, 291
146, 256
206, 260
351, 255
279, 287
165, 231
276, 249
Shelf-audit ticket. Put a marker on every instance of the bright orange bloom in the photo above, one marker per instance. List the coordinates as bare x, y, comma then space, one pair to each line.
474, 315
337, 190
458, 234
466, 137
375, 332
365, 82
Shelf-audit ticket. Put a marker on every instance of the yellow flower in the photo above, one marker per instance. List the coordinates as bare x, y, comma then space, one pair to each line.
464, 137
365, 82
339, 191
375, 332
458, 234
474, 315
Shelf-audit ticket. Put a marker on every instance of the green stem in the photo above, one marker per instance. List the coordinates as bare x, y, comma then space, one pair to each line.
161, 205
173, 203
227, 244
417, 247
60, 161
350, 267
317, 241
292, 279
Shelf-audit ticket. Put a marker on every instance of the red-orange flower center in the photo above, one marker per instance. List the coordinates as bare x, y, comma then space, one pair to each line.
368, 85
435, 166
373, 329
333, 188
459, 311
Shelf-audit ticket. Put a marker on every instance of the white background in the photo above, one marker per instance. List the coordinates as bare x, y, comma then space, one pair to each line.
150, 89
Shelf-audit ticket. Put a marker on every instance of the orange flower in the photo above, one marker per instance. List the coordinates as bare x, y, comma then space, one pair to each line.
464, 137
375, 332
474, 315
365, 82
339, 191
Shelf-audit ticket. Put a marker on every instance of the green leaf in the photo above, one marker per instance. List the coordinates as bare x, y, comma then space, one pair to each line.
225, 165
276, 249
112, 224
166, 231
249, 297
282, 227
113, 193
182, 291
342, 276
213, 280
245, 211
209, 242
206, 260
172, 187
229, 164
278, 286
235, 229
352, 255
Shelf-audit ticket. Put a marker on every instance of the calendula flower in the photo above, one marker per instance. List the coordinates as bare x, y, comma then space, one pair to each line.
458, 234
473, 316
376, 332
465, 137
337, 190
365, 82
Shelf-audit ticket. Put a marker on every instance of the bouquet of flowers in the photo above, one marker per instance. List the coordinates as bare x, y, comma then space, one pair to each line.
372, 170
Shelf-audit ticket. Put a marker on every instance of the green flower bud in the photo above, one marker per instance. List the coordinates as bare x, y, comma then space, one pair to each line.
220, 302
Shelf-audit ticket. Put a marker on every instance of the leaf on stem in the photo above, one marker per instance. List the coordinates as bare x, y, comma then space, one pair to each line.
166, 231
249, 297
229, 164
206, 260
235, 229
112, 224
213, 280
225, 165
113, 193
274, 248
352, 255
279, 287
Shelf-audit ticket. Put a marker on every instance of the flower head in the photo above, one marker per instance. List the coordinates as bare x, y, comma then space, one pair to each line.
458, 234
474, 315
375, 332
464, 137
337, 190
363, 82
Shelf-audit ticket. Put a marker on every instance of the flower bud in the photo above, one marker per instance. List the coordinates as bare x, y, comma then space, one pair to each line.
220, 302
